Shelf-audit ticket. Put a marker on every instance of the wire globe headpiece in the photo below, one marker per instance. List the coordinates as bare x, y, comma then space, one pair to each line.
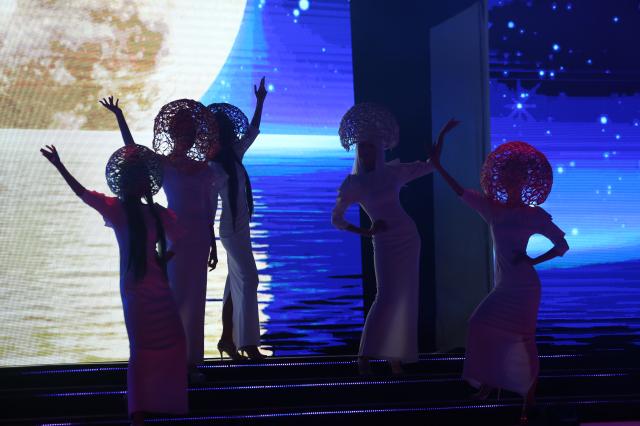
134, 168
185, 121
234, 115
371, 122
517, 167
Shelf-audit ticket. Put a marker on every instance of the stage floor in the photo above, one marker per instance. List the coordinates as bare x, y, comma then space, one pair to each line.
574, 388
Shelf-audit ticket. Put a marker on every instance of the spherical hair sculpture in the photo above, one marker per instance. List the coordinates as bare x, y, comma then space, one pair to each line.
187, 122
134, 170
369, 122
234, 115
517, 167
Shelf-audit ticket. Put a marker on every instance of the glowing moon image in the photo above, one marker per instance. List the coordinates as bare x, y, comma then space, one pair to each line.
59, 57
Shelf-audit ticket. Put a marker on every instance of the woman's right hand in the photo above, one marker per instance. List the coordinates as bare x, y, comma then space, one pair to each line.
377, 227
51, 153
110, 105
212, 262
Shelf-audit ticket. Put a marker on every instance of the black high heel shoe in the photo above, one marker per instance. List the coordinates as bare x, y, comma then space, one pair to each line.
252, 353
230, 349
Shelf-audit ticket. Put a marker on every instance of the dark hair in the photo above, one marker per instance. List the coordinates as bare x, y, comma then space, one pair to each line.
138, 235
183, 124
229, 161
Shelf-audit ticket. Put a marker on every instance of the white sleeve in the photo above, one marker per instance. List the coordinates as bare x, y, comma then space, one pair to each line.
346, 197
108, 207
407, 172
546, 227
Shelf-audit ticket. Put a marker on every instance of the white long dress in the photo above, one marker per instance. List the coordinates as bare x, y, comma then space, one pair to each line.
391, 328
157, 372
501, 344
242, 276
189, 195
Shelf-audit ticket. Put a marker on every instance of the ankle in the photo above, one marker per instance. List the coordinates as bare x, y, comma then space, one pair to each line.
396, 367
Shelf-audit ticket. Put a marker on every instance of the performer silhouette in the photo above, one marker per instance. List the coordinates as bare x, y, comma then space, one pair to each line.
240, 322
187, 184
157, 373
501, 349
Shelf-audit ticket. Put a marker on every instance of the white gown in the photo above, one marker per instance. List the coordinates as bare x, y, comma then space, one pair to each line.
157, 372
189, 195
242, 277
391, 328
501, 344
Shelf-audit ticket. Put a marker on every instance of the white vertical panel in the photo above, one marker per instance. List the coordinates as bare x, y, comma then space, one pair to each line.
460, 89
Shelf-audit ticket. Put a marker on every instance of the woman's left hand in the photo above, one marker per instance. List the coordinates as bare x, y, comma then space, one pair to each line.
261, 91
110, 105
51, 153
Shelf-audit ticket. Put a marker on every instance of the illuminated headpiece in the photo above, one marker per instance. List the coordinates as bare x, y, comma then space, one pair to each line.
517, 166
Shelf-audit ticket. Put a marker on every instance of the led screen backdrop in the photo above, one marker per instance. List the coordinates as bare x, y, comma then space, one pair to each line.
59, 282
563, 78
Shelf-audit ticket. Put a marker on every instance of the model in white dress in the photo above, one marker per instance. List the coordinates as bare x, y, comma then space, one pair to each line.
240, 319
157, 371
187, 185
391, 327
501, 348
189, 195
501, 345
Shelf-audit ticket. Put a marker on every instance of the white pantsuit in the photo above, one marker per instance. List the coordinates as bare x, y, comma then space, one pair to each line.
242, 276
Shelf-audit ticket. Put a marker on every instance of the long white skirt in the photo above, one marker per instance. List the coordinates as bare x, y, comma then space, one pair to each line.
391, 328
242, 287
187, 272
501, 345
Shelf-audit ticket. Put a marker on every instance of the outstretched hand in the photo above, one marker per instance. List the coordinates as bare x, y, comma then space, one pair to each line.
261, 91
110, 105
437, 147
51, 153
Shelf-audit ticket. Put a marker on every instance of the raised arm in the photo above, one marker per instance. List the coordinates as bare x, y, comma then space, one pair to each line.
122, 123
435, 157
51, 154
261, 95
247, 140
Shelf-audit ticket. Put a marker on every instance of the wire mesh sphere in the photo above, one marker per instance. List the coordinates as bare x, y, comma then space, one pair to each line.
369, 122
185, 127
517, 168
232, 116
134, 170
